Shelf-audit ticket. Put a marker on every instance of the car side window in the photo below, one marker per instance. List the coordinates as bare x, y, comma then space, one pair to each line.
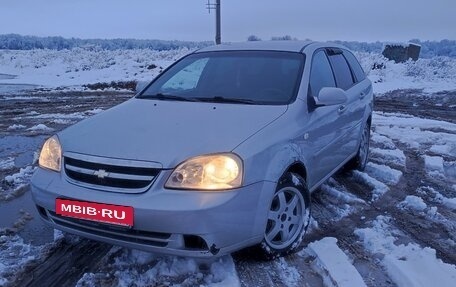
321, 74
355, 66
342, 72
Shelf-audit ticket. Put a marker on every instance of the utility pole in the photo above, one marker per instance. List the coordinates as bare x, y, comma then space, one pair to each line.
218, 25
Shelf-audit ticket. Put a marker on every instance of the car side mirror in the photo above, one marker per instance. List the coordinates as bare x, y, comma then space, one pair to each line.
140, 85
330, 96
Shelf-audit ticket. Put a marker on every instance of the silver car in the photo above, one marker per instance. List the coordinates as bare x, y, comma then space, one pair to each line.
220, 152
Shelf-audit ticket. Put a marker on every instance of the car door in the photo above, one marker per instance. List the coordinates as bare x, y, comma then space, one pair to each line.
350, 113
326, 125
362, 93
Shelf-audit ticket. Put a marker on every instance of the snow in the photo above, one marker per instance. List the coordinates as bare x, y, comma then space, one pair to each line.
340, 195
7, 163
395, 156
433, 163
432, 75
333, 264
289, 274
378, 188
382, 140
408, 265
16, 127
40, 127
438, 197
14, 254
413, 202
20, 177
383, 173
79, 66
419, 132
138, 268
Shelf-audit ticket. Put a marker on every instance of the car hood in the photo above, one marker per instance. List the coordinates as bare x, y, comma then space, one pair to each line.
166, 132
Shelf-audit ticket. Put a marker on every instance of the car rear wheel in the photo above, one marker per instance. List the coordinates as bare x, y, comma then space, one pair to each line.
360, 160
288, 217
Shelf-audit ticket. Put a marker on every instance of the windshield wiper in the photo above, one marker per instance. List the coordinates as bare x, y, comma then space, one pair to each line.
161, 96
219, 99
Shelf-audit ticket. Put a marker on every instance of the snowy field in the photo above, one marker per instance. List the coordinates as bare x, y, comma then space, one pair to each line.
71, 69
392, 225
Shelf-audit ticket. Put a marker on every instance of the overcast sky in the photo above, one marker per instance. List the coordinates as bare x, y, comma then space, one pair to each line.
362, 20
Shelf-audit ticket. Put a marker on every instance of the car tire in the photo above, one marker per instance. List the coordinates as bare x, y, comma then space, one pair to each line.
288, 217
359, 161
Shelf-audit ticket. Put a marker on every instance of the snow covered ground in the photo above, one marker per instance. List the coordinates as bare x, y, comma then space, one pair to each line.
71, 69
390, 225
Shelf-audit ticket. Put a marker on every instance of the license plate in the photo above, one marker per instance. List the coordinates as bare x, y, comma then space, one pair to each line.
107, 213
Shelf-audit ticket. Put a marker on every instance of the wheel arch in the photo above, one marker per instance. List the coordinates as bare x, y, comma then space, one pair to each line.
298, 168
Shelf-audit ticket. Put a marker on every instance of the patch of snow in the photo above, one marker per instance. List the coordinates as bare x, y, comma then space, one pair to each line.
378, 188
138, 268
389, 155
447, 148
40, 127
383, 173
341, 196
16, 127
14, 254
382, 140
413, 202
433, 163
289, 274
407, 265
339, 201
333, 264
438, 197
20, 177
62, 121
6, 164
413, 131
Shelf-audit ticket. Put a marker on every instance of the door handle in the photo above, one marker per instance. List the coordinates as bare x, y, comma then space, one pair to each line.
342, 108
362, 95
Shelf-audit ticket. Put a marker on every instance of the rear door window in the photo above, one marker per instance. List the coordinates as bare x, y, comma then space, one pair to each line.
342, 72
355, 66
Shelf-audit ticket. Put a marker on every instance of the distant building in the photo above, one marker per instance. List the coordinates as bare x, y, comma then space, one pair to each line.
400, 53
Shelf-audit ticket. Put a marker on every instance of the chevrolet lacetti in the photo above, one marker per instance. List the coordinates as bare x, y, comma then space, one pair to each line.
219, 152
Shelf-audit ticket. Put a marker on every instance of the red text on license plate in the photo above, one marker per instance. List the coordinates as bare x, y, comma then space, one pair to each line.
109, 213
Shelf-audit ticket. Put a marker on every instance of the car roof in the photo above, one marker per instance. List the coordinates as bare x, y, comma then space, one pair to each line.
286, 46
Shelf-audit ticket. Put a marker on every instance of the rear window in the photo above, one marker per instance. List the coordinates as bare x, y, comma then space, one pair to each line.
356, 67
255, 77
342, 72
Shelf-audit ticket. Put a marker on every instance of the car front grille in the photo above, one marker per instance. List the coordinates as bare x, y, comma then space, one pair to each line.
112, 174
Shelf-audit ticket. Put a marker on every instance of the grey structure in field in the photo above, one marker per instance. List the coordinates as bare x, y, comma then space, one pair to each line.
400, 53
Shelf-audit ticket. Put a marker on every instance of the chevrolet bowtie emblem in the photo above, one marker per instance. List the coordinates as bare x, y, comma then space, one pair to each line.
101, 173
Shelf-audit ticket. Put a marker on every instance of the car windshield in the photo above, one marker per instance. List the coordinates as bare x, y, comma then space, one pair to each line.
240, 77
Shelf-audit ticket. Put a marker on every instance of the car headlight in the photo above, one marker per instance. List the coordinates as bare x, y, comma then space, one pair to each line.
51, 153
209, 172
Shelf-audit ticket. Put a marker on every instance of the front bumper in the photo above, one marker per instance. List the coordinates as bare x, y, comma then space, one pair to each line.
176, 222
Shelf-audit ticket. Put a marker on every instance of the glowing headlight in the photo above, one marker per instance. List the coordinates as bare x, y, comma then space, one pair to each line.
51, 154
210, 172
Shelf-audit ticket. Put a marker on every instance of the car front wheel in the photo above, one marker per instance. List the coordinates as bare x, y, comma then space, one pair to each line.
288, 217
